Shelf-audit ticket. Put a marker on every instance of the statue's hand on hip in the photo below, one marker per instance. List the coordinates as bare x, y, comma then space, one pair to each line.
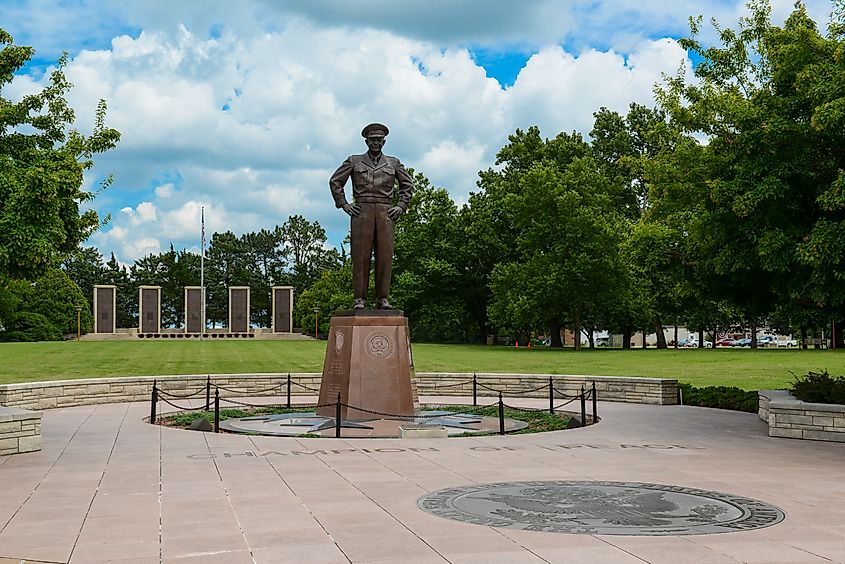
352, 209
394, 213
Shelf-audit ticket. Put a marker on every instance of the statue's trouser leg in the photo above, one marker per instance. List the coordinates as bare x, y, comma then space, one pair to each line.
361, 248
383, 250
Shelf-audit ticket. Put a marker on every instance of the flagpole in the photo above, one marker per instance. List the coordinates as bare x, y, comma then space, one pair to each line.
202, 267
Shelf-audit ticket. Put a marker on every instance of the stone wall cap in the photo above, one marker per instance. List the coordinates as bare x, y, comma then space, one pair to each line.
17, 414
782, 399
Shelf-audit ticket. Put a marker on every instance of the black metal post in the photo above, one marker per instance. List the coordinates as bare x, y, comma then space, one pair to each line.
288, 390
474, 390
583, 407
216, 410
551, 396
501, 415
337, 417
153, 403
207, 393
594, 401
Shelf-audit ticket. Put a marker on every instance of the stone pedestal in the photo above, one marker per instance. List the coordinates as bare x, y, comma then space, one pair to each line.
369, 361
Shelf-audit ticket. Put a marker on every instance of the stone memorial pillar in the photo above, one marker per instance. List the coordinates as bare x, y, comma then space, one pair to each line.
282, 309
105, 307
149, 309
194, 314
239, 309
369, 361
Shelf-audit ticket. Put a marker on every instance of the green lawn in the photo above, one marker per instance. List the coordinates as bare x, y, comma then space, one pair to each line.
751, 370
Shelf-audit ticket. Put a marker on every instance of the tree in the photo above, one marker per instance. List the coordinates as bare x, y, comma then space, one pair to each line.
126, 293
772, 216
566, 230
41, 168
85, 268
306, 252
49, 302
426, 272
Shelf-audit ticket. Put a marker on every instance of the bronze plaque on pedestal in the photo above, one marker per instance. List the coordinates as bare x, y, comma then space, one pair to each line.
239, 309
149, 308
104, 301
193, 309
369, 362
282, 309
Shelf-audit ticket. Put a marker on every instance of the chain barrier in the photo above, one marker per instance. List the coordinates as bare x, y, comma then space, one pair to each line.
304, 387
178, 396
532, 390
545, 409
180, 407
563, 395
248, 392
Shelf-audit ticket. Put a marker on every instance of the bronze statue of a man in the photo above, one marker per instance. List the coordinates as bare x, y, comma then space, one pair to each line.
375, 177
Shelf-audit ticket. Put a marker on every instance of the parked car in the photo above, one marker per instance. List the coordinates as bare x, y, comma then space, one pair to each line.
787, 343
726, 342
602, 341
766, 340
746, 342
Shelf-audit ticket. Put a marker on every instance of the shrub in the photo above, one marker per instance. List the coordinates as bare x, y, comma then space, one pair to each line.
819, 387
29, 327
721, 397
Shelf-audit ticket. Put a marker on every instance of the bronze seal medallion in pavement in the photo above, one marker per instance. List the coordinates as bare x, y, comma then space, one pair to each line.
601, 508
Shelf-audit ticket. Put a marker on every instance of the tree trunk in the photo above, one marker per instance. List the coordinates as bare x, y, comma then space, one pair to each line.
804, 337
676, 334
644, 334
715, 336
482, 327
753, 326
626, 337
837, 339
701, 338
591, 338
577, 330
554, 328
661, 337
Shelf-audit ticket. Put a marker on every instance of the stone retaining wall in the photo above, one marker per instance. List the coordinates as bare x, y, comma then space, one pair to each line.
67, 393
20, 430
792, 418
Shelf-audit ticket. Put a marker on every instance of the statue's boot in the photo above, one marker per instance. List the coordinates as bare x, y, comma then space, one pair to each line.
382, 303
360, 303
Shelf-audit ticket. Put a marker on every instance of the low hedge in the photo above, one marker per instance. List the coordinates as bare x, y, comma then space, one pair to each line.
720, 397
819, 387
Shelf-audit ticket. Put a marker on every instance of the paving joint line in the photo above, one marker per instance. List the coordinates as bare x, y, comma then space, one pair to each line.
229, 500
50, 469
301, 502
377, 504
99, 482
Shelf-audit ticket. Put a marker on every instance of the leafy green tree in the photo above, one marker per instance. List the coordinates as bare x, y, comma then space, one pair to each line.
85, 267
426, 274
42, 163
126, 293
330, 293
769, 100
305, 252
55, 297
566, 229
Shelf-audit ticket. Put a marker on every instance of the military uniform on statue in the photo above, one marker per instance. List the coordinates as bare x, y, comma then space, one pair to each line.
368, 357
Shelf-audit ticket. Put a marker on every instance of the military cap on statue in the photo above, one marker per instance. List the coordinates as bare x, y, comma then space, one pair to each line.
375, 130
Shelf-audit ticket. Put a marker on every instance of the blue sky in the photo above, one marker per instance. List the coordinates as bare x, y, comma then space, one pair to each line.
246, 107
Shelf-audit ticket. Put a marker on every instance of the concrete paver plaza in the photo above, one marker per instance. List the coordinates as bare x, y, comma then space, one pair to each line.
108, 487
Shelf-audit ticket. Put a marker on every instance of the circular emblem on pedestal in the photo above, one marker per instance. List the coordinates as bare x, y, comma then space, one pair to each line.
602, 508
378, 345
338, 341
